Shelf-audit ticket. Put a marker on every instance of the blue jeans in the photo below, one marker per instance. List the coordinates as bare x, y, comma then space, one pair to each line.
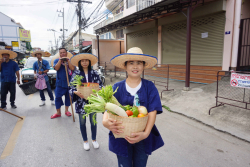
83, 127
5, 88
49, 92
136, 156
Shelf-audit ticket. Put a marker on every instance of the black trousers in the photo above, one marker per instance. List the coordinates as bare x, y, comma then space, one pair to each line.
5, 88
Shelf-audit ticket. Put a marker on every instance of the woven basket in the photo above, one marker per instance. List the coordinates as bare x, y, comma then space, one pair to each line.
87, 91
131, 125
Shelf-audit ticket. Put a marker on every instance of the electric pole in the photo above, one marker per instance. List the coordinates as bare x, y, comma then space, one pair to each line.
63, 25
80, 19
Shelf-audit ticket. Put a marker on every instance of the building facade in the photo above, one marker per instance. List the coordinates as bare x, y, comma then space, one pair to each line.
215, 36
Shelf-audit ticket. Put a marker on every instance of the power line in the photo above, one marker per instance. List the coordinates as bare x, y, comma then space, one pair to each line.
35, 4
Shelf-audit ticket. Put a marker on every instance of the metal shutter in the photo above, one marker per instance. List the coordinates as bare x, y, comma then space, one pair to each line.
146, 40
204, 51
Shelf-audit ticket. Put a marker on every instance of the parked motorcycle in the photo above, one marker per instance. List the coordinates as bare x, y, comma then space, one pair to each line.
101, 74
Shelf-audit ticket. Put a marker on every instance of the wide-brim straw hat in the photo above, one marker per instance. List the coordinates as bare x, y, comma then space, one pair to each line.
57, 56
47, 54
39, 51
134, 54
11, 53
75, 59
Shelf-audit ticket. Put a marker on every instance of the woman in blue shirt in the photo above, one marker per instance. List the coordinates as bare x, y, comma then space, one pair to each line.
84, 61
134, 150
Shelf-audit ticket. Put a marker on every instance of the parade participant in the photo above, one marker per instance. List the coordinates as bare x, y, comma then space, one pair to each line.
9, 71
134, 150
84, 61
61, 82
41, 67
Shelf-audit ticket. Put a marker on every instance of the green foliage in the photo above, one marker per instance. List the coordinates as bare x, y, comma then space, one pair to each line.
77, 81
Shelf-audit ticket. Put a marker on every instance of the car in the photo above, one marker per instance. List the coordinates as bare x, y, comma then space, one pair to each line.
27, 73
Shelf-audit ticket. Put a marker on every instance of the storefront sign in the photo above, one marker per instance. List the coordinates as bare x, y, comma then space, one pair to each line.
24, 35
15, 43
23, 46
240, 80
8, 47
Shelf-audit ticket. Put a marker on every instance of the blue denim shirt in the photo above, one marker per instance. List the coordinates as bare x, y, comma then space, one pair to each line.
61, 79
45, 66
9, 70
148, 97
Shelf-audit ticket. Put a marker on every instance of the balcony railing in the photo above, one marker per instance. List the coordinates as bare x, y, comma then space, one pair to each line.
108, 21
142, 4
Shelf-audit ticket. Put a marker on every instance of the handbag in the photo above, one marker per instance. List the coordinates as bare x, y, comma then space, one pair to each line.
40, 82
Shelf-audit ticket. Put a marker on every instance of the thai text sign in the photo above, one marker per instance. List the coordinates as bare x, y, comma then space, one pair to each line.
24, 35
15, 44
240, 80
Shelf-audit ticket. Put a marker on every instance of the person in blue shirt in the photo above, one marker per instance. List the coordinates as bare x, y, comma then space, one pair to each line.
9, 71
62, 88
42, 67
84, 61
133, 151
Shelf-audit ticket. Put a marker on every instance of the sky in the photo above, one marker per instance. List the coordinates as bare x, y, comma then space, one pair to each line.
39, 16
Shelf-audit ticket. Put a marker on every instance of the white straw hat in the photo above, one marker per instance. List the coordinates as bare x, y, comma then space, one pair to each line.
39, 51
11, 53
57, 56
133, 54
75, 59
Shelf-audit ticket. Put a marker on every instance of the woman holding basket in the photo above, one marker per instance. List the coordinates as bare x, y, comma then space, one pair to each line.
84, 61
133, 151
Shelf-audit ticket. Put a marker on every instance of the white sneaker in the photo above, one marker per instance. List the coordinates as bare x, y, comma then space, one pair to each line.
86, 146
53, 102
95, 144
42, 104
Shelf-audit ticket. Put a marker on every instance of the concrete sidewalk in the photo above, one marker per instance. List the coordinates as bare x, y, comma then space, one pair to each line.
196, 103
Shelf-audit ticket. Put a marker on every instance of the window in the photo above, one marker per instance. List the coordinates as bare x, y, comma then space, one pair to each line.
109, 35
102, 37
119, 34
130, 3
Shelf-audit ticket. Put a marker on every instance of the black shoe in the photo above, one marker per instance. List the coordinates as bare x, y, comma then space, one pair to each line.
14, 106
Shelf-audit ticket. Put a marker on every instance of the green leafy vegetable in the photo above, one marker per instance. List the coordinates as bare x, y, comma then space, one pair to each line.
77, 81
107, 94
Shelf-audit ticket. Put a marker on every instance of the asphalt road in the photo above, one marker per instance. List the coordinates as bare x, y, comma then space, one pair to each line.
43, 142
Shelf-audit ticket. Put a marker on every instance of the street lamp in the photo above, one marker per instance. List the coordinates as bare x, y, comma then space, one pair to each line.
54, 36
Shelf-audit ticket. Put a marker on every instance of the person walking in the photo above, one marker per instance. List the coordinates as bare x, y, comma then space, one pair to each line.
133, 151
62, 88
9, 72
41, 68
84, 61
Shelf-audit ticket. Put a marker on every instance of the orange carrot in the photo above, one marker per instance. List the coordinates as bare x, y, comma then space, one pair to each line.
88, 85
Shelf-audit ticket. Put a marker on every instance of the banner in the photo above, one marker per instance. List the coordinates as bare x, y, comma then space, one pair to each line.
24, 35
15, 43
240, 80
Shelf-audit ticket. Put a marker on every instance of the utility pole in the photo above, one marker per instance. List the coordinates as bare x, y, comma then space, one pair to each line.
80, 19
63, 25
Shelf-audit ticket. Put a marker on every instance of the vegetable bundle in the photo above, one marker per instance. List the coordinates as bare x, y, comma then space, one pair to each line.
104, 100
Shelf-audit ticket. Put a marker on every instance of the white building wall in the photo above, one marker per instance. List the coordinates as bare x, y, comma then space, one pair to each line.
9, 30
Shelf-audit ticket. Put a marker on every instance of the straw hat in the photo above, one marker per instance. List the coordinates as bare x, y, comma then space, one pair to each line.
132, 54
75, 59
39, 51
47, 54
11, 53
57, 56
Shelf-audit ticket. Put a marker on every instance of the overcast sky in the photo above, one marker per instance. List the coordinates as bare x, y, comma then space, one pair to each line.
39, 16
